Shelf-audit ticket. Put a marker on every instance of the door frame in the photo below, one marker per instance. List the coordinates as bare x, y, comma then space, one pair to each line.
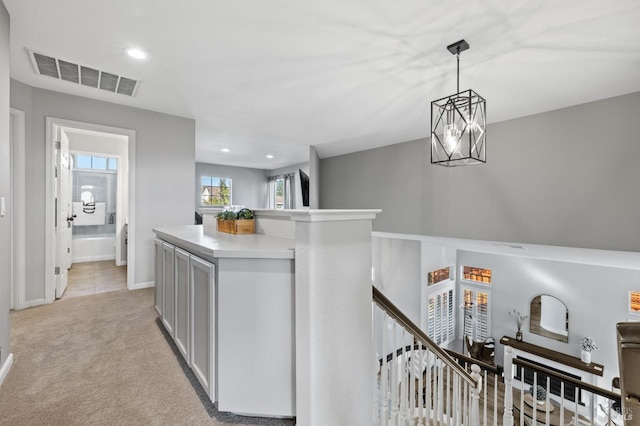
62, 185
50, 237
18, 195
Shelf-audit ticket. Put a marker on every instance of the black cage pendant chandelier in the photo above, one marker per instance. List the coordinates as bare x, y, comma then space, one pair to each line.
458, 124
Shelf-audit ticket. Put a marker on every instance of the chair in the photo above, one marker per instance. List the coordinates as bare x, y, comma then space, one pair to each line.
481, 350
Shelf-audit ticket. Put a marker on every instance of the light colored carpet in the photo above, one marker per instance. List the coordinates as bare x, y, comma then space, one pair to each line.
102, 360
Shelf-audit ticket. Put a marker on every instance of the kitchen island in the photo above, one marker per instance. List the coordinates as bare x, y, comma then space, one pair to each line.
228, 303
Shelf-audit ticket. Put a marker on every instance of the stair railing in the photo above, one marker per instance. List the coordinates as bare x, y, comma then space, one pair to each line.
591, 404
419, 383
492, 388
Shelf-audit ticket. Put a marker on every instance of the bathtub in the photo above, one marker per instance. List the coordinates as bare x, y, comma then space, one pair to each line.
93, 248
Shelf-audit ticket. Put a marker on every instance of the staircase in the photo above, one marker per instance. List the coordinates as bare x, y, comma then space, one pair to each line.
419, 383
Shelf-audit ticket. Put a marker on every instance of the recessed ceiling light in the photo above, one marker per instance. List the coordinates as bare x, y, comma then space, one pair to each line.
269, 156
225, 150
136, 53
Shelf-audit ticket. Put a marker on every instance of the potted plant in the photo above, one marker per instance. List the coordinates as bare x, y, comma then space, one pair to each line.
539, 394
519, 321
240, 222
587, 345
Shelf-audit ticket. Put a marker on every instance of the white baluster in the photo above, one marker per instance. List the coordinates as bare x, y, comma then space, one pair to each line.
484, 405
475, 395
384, 375
429, 389
465, 402
376, 368
456, 400
420, 390
394, 378
440, 406
402, 370
415, 367
507, 418
562, 402
447, 394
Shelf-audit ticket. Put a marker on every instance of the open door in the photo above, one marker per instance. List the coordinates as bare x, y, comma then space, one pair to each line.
63, 213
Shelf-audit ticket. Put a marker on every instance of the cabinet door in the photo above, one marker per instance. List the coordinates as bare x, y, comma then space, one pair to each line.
202, 311
181, 335
157, 299
169, 293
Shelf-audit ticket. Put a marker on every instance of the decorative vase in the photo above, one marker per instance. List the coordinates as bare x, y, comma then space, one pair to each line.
585, 356
519, 336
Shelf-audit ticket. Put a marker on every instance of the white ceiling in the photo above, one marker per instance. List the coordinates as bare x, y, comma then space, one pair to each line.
274, 77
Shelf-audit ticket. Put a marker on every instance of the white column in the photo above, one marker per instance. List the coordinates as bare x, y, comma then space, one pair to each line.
333, 317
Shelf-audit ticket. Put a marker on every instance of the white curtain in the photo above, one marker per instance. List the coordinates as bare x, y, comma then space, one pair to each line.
288, 202
288, 191
271, 192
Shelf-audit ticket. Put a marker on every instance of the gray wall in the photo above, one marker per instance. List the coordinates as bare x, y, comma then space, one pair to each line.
248, 188
5, 187
397, 266
289, 169
596, 298
566, 177
390, 177
165, 165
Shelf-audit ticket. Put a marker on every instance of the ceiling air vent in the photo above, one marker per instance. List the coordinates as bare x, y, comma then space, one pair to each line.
82, 74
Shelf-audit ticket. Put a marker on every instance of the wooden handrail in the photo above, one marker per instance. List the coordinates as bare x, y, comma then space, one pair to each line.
395, 313
563, 377
461, 357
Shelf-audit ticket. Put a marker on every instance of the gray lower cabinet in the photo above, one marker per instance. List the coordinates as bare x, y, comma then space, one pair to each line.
181, 334
169, 289
185, 300
159, 288
202, 334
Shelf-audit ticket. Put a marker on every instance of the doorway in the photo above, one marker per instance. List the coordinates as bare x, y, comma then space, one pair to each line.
92, 141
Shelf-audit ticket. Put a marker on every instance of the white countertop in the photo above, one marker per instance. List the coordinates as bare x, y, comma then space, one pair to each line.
209, 242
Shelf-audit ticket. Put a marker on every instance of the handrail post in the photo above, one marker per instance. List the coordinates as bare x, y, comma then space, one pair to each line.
475, 395
507, 418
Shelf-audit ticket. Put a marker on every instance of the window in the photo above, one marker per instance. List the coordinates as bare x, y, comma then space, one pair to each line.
634, 302
472, 273
215, 191
477, 313
92, 162
440, 316
434, 277
279, 201
280, 192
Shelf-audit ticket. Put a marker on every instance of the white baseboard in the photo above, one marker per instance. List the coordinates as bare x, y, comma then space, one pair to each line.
6, 367
138, 286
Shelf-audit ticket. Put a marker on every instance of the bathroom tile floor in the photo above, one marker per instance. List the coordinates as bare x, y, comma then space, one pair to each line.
95, 277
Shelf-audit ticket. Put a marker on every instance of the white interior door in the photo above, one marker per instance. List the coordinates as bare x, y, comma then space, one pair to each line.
64, 214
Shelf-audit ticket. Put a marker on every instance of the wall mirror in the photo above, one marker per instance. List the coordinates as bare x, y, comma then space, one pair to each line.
549, 317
